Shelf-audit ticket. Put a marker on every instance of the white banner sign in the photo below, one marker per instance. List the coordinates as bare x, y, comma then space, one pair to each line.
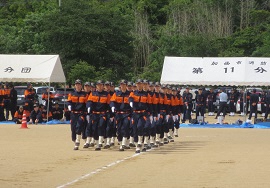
233, 71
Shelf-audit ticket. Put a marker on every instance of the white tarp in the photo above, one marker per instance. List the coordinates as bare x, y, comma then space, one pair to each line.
31, 68
233, 71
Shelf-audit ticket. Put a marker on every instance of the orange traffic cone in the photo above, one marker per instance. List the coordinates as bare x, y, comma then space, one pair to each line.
24, 122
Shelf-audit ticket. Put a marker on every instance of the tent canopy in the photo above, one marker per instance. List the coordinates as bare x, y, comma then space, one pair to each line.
31, 68
226, 71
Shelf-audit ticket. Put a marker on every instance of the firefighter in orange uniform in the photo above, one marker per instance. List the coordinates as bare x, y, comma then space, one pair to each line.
98, 105
29, 95
140, 102
77, 105
155, 105
162, 113
120, 106
48, 97
18, 115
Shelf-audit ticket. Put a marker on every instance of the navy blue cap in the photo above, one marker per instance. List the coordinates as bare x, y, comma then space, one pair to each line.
87, 84
123, 81
100, 82
139, 81
145, 81
107, 83
129, 83
78, 81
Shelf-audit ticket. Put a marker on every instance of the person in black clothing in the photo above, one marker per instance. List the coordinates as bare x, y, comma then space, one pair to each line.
241, 98
267, 105
247, 100
200, 103
187, 98
57, 113
232, 102
263, 109
35, 116
13, 100
254, 99
211, 98
67, 114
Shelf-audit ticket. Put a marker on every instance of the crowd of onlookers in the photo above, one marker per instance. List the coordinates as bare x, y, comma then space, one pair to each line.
34, 111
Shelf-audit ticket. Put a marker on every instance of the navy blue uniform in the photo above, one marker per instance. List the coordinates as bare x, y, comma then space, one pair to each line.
141, 108
187, 98
254, 99
99, 105
77, 101
119, 100
200, 101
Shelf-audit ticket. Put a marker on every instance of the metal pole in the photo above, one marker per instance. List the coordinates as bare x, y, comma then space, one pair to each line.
48, 101
59, 3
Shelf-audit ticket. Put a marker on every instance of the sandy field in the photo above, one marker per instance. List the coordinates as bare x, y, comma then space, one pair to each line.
43, 156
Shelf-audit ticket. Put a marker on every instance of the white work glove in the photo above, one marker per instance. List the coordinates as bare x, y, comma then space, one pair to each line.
176, 117
69, 107
234, 104
44, 103
151, 119
131, 104
173, 118
167, 117
155, 119
158, 116
88, 118
88, 109
113, 109
111, 119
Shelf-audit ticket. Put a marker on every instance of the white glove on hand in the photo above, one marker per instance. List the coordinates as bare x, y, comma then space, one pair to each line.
173, 118
88, 109
167, 117
158, 116
69, 107
113, 109
151, 119
111, 119
176, 117
155, 119
88, 118
131, 104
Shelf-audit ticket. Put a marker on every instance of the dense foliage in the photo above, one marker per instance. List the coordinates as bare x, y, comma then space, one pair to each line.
114, 39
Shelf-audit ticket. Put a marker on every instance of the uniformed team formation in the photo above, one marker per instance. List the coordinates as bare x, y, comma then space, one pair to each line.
143, 116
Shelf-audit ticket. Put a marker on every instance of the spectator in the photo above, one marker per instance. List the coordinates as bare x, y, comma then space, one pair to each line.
200, 103
7, 101
48, 97
223, 98
254, 99
18, 115
29, 95
57, 113
44, 113
2, 95
67, 114
35, 116
13, 100
267, 102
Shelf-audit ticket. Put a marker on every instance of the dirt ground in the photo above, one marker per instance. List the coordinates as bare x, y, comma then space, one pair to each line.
43, 156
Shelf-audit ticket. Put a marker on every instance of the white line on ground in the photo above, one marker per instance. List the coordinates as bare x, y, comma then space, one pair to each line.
98, 171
